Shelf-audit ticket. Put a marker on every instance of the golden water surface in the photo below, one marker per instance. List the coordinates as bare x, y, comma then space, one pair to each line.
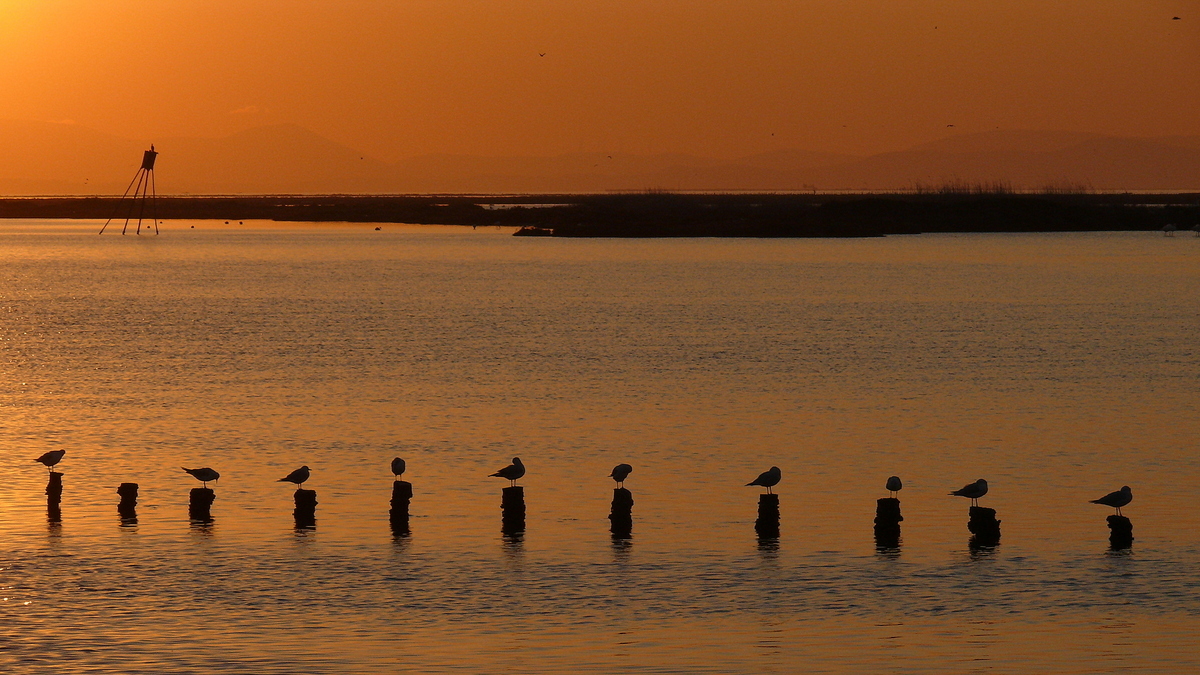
1059, 367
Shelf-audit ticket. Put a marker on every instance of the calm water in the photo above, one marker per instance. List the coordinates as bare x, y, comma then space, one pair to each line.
1059, 367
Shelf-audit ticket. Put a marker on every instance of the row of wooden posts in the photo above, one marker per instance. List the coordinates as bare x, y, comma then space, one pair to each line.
982, 523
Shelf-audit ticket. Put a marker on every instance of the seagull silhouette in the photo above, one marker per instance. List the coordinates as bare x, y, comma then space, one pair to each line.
298, 477
398, 467
512, 472
619, 473
51, 458
768, 479
1116, 499
203, 475
972, 491
893, 485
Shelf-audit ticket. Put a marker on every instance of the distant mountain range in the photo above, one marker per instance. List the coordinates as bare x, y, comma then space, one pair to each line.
38, 158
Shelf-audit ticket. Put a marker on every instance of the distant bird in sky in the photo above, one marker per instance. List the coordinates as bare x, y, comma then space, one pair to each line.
541, 53
768, 479
397, 467
1174, 18
620, 472
298, 477
203, 475
512, 472
893, 485
51, 458
1116, 499
972, 491
949, 125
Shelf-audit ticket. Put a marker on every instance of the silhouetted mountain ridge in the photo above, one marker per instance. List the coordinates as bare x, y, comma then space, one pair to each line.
53, 158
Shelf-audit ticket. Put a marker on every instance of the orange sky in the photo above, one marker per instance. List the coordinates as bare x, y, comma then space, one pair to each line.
405, 77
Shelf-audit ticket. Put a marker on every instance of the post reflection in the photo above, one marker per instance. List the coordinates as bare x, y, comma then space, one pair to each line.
513, 544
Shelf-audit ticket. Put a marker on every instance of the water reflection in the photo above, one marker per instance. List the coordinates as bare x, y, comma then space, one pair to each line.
513, 545
622, 545
768, 550
202, 527
889, 550
981, 549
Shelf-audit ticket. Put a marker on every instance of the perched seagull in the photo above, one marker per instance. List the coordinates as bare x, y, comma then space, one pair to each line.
203, 475
512, 472
972, 491
893, 485
298, 477
1116, 499
768, 479
51, 458
397, 467
619, 473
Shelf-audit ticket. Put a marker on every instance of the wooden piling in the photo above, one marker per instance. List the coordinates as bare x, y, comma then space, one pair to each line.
402, 493
887, 522
200, 504
984, 526
127, 509
767, 524
512, 510
54, 488
1120, 532
306, 508
621, 515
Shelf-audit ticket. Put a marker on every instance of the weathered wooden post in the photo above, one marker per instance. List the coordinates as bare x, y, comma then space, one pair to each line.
767, 524
983, 526
54, 488
200, 502
887, 523
306, 508
512, 510
621, 515
1120, 532
402, 493
127, 509
54, 497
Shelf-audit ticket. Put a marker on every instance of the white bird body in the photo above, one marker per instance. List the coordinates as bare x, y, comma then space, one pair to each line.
299, 476
398, 467
768, 479
620, 472
203, 475
894, 484
511, 472
1116, 499
972, 491
51, 458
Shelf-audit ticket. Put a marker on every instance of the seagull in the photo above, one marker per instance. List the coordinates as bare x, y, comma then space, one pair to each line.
298, 477
541, 53
972, 491
512, 472
203, 475
397, 467
768, 479
1116, 499
619, 473
51, 458
893, 485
